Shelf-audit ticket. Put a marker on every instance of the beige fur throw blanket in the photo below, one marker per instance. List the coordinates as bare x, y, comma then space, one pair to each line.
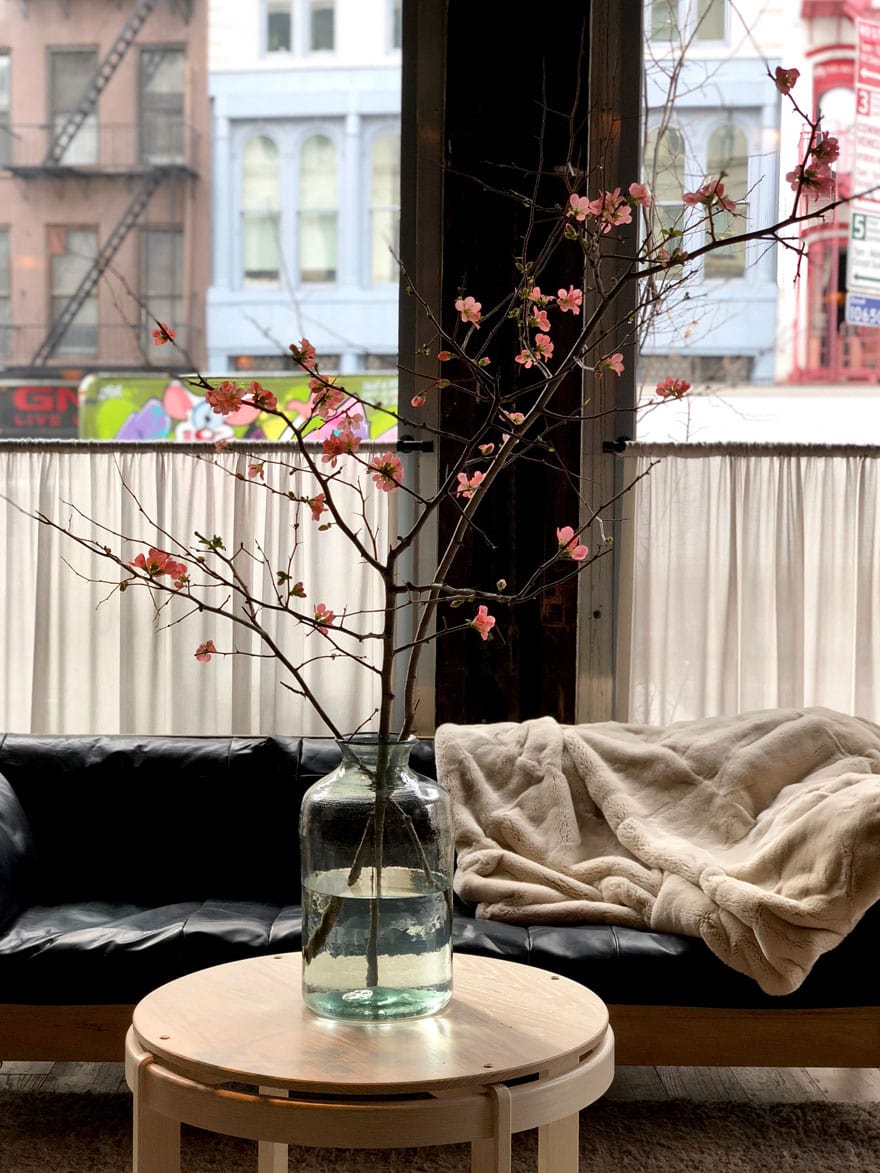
759, 833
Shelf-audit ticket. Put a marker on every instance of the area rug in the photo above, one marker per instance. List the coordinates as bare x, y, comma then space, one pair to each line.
53, 1132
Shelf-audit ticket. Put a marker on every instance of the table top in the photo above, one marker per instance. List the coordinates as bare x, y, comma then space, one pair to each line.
246, 1022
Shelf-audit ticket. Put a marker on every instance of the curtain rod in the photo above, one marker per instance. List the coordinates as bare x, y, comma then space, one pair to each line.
747, 448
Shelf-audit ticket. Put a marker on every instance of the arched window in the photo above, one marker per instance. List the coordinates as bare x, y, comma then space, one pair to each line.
664, 175
261, 212
318, 208
385, 208
728, 153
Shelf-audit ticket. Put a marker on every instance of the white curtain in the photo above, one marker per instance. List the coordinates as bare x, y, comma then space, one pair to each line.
79, 657
750, 579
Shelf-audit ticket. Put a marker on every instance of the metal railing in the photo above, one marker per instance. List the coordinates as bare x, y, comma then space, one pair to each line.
103, 148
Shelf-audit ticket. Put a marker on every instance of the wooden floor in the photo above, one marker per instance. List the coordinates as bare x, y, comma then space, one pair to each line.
756, 1084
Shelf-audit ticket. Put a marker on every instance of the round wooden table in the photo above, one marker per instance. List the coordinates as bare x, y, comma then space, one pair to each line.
516, 1048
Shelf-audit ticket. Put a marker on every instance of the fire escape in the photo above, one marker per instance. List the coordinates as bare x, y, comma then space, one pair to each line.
151, 174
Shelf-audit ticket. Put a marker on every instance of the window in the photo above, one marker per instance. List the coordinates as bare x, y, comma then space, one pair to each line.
395, 39
5, 139
278, 30
70, 74
161, 105
72, 253
728, 154
322, 32
318, 202
385, 209
679, 20
162, 279
5, 307
664, 174
261, 212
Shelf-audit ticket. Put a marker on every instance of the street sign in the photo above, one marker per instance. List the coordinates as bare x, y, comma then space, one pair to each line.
863, 254
862, 311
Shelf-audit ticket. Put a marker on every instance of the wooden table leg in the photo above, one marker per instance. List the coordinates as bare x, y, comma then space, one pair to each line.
155, 1142
558, 1145
271, 1157
493, 1155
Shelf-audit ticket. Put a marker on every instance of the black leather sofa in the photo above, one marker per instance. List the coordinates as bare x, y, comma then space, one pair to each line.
128, 861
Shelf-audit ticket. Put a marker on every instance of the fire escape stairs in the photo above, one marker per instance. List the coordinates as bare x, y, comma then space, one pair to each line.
105, 71
106, 254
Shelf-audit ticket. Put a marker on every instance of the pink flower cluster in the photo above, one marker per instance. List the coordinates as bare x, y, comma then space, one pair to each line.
158, 562
710, 195
670, 388
610, 208
343, 439
228, 397
814, 178
388, 474
483, 622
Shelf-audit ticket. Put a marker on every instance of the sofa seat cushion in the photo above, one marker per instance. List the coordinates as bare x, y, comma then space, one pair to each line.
99, 952
636, 966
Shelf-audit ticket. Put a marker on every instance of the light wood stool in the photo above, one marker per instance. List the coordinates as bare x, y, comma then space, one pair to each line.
516, 1048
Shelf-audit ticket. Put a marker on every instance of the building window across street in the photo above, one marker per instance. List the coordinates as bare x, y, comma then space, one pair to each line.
318, 210
70, 73
5, 314
5, 130
683, 20
162, 279
261, 212
72, 253
161, 105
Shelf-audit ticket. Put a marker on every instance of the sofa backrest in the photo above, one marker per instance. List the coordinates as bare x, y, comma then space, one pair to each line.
157, 820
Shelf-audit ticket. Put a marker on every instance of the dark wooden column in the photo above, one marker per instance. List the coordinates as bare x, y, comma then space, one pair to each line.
516, 121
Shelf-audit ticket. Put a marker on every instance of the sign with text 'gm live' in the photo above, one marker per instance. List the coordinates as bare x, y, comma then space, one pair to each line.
863, 253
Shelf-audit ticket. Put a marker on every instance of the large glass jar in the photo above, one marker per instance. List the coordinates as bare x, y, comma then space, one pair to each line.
376, 841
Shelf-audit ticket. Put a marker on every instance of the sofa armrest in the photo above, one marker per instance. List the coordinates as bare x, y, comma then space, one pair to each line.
16, 854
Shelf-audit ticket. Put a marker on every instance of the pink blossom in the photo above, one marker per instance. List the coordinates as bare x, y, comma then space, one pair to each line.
256, 470
226, 398
515, 417
483, 622
579, 207
157, 563
826, 149
570, 300
812, 182
525, 358
612, 362
539, 298
786, 78
205, 651
261, 397
389, 472
304, 354
710, 195
539, 319
323, 617
341, 441
670, 388
640, 193
569, 546
317, 506
418, 401
612, 208
325, 398
163, 334
444, 355
468, 484
469, 309
486, 449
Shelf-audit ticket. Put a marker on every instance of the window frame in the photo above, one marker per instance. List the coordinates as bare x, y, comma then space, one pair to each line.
371, 138
6, 108
88, 152
64, 344
687, 28
333, 134
172, 311
177, 144
5, 291
255, 133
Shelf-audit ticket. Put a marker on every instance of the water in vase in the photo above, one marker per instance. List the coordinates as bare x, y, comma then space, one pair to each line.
410, 924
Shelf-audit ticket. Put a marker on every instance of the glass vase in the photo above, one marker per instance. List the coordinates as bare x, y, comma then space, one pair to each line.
376, 842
